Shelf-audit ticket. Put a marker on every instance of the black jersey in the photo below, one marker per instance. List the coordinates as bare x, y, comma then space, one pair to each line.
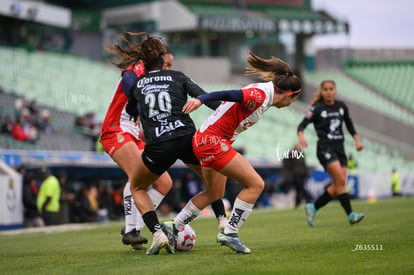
161, 95
327, 120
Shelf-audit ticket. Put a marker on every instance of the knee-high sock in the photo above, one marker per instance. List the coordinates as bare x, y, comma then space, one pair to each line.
345, 202
156, 198
130, 210
241, 211
186, 215
323, 200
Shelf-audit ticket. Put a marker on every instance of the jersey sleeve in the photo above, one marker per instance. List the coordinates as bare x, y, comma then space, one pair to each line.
228, 95
130, 76
253, 98
307, 119
128, 81
348, 121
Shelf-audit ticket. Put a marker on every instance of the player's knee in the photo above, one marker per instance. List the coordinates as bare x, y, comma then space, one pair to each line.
258, 186
215, 195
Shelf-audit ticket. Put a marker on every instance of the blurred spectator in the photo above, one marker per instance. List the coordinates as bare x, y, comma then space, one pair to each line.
28, 124
66, 199
118, 200
19, 105
31, 216
171, 203
18, 132
395, 183
7, 125
48, 197
295, 173
352, 164
190, 186
32, 107
44, 123
106, 202
88, 204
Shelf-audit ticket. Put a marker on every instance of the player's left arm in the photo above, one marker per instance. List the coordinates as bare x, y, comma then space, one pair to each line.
350, 126
228, 95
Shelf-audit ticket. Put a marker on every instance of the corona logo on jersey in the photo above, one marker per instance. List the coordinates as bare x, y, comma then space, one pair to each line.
146, 80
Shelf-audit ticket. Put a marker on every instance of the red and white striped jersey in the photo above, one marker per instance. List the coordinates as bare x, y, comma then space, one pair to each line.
116, 118
232, 118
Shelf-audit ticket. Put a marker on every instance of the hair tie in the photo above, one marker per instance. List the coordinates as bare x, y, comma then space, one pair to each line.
289, 73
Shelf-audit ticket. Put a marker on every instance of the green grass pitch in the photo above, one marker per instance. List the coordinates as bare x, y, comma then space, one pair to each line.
280, 240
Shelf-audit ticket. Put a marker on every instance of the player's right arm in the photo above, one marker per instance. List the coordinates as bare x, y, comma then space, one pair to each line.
302, 126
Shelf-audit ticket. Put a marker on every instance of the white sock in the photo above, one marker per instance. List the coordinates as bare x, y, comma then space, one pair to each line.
241, 211
130, 210
156, 198
186, 215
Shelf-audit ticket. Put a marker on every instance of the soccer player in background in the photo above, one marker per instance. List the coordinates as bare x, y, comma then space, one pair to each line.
327, 115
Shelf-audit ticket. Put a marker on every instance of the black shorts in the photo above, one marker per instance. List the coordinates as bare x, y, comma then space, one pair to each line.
328, 153
160, 156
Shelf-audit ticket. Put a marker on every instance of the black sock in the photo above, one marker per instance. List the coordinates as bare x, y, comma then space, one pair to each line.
323, 200
345, 202
151, 221
218, 208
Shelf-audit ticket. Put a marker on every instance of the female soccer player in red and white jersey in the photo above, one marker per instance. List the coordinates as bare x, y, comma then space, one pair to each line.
212, 142
120, 137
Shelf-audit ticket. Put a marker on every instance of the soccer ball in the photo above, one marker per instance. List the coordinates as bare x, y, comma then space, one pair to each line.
186, 238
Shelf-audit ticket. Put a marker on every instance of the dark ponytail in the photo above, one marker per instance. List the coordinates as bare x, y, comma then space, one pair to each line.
275, 70
150, 51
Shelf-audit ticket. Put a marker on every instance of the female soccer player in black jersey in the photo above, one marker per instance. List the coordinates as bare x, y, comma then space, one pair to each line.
327, 114
161, 95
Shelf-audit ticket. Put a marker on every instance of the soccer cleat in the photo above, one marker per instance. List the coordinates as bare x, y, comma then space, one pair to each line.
159, 240
354, 218
232, 240
169, 229
133, 237
310, 212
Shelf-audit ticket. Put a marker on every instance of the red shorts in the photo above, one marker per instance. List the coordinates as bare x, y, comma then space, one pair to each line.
212, 151
111, 142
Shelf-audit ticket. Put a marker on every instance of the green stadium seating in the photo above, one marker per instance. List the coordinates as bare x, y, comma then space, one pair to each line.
68, 82
394, 80
64, 82
355, 92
